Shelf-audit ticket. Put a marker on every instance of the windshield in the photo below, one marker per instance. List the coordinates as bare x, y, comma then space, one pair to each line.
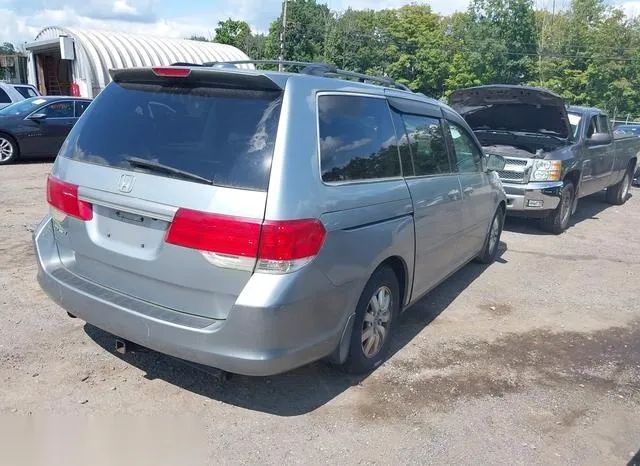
574, 121
222, 136
23, 107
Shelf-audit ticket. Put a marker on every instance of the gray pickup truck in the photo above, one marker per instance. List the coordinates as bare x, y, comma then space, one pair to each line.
555, 153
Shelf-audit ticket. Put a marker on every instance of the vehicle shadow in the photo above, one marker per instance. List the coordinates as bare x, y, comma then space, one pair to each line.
299, 391
588, 209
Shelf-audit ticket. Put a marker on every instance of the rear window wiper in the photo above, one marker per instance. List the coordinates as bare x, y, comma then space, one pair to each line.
159, 167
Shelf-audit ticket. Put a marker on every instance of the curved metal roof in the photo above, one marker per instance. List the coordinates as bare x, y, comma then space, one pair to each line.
105, 50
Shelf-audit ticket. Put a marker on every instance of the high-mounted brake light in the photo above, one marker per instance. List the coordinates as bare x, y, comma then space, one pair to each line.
171, 72
239, 243
63, 197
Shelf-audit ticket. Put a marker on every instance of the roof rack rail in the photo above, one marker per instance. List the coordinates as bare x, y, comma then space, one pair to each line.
313, 69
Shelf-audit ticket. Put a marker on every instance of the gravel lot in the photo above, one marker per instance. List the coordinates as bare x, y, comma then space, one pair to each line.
534, 360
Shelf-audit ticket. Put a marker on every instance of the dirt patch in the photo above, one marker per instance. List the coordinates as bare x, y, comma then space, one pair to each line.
497, 309
605, 361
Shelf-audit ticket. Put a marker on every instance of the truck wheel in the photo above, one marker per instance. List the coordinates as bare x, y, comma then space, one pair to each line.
375, 319
492, 242
618, 194
558, 220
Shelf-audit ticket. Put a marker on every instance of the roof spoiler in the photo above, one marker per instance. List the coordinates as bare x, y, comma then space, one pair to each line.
227, 78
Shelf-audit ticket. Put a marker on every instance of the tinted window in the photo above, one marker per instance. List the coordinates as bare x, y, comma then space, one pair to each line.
81, 106
357, 139
427, 145
4, 97
593, 126
603, 124
468, 155
26, 91
58, 110
223, 135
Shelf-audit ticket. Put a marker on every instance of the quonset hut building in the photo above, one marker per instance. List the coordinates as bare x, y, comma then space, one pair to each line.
69, 61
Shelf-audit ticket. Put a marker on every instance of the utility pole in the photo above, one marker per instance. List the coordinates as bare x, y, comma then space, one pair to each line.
282, 34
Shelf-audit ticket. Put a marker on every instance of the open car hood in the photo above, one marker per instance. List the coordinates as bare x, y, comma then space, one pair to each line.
512, 108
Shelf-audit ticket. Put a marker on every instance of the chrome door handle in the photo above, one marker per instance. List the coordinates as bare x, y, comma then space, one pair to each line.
468, 190
453, 194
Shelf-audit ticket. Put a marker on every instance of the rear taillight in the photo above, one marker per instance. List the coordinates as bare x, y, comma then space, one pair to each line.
239, 243
63, 197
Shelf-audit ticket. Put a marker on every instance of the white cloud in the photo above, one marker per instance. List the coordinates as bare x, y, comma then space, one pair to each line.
631, 8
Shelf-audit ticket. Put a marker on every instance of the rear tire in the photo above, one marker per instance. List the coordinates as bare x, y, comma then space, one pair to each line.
492, 242
9, 151
619, 193
376, 314
558, 220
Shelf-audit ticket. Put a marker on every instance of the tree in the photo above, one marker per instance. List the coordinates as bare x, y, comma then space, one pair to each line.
7, 48
232, 32
495, 41
307, 25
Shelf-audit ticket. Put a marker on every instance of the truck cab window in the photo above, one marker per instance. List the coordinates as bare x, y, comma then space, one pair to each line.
593, 126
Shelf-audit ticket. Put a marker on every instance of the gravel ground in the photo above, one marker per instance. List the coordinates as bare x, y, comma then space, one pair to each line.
534, 360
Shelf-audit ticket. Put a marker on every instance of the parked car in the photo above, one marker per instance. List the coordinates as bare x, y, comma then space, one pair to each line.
12, 93
257, 221
554, 156
38, 126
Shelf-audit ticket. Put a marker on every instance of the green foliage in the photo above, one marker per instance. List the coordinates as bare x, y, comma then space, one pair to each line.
232, 32
307, 26
589, 53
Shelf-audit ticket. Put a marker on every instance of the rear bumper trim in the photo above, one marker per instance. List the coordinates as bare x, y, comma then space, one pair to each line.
251, 341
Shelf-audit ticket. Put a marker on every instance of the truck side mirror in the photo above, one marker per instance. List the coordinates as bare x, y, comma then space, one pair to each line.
495, 163
599, 139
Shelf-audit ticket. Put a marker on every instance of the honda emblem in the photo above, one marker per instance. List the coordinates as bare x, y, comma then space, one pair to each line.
126, 183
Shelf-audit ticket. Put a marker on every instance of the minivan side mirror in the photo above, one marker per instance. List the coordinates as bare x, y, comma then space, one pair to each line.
38, 116
495, 163
599, 139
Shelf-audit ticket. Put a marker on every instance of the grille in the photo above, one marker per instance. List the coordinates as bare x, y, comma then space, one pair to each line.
511, 176
518, 162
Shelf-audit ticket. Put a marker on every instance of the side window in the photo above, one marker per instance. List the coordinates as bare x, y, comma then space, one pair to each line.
81, 106
25, 91
468, 155
357, 139
427, 145
4, 97
603, 124
58, 110
593, 126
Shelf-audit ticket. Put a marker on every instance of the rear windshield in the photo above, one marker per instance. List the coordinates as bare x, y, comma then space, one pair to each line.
224, 136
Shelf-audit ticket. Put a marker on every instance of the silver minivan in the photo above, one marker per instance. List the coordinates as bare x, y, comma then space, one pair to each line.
256, 221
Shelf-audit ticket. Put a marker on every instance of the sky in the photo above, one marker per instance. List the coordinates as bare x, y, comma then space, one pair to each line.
21, 20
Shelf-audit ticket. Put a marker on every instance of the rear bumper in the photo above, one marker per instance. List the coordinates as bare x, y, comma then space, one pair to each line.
532, 198
251, 341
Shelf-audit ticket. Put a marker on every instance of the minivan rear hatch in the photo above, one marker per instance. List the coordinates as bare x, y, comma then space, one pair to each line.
165, 167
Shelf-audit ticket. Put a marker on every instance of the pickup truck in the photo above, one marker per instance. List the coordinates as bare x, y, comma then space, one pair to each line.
555, 154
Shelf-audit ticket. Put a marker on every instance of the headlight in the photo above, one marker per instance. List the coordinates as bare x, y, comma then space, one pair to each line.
546, 170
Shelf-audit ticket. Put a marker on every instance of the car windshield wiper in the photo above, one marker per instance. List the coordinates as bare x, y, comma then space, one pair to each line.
159, 167
543, 133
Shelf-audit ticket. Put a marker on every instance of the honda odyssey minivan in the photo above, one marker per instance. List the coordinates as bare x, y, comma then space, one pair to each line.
257, 221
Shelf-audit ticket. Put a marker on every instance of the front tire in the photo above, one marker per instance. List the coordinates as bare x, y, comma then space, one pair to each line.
618, 194
376, 314
8, 149
492, 242
558, 220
